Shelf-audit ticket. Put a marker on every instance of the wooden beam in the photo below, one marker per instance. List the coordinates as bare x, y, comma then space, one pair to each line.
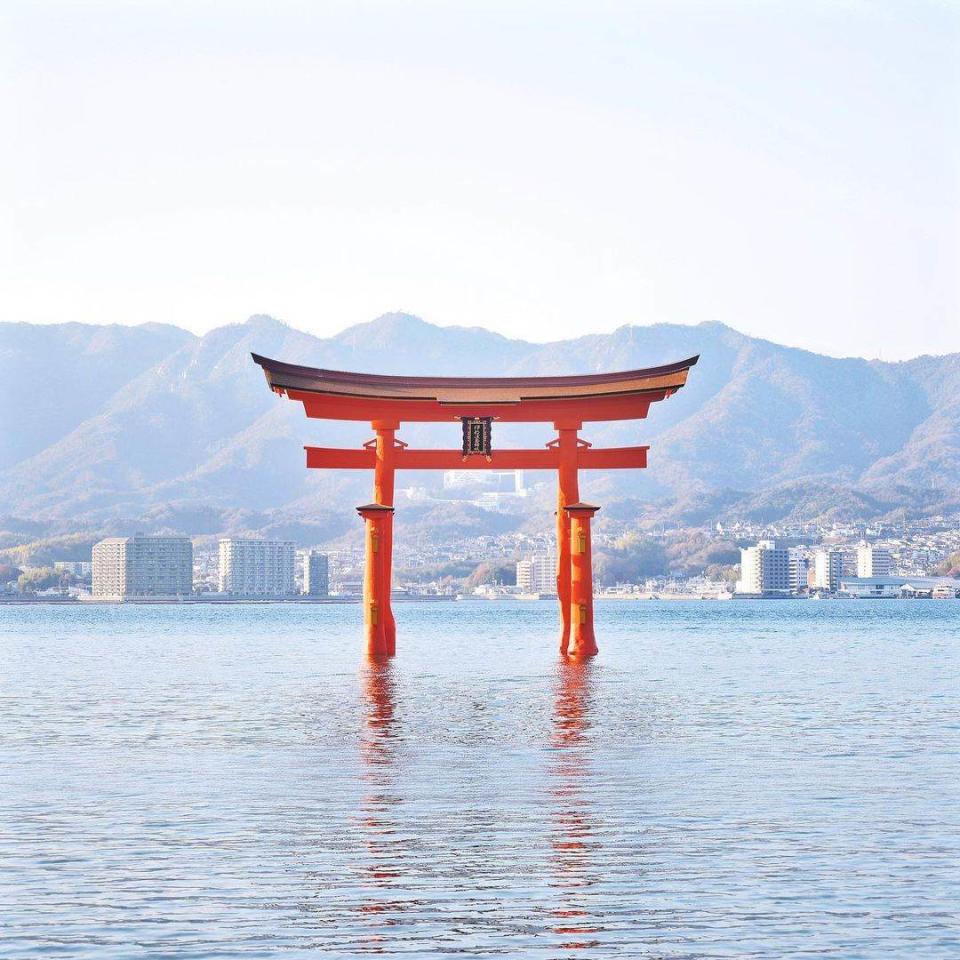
331, 458
545, 459
588, 458
612, 458
627, 407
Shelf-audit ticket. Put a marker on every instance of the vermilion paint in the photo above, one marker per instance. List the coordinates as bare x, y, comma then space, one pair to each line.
566, 402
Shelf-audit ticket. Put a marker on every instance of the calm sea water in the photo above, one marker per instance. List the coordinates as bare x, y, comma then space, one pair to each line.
744, 779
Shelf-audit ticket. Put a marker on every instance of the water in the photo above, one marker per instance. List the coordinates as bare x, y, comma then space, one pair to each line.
745, 779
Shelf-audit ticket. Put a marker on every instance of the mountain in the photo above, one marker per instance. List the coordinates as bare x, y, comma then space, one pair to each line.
57, 376
114, 426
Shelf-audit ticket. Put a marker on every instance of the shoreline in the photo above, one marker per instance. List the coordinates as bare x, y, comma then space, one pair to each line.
353, 601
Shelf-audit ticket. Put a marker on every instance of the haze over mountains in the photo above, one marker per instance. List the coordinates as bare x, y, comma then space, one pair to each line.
152, 426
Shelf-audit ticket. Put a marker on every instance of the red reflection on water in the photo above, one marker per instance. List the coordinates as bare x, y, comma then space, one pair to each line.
574, 834
378, 697
380, 799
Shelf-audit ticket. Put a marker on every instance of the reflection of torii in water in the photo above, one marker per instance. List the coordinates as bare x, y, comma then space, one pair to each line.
573, 831
567, 402
380, 799
574, 838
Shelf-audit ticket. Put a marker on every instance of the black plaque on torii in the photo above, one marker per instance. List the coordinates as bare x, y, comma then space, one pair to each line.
477, 436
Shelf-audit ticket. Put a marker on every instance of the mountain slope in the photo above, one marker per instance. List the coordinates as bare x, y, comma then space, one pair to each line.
165, 421
57, 376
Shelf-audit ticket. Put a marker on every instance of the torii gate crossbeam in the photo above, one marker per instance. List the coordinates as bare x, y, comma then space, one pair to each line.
565, 402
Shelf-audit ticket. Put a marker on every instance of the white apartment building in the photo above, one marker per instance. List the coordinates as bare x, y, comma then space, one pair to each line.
257, 568
139, 566
764, 569
538, 574
873, 562
799, 569
828, 569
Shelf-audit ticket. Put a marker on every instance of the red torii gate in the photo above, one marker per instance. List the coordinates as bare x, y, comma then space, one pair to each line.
566, 402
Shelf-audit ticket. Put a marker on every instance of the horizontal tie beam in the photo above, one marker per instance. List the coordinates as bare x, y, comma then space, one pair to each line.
498, 460
331, 407
331, 458
588, 458
612, 458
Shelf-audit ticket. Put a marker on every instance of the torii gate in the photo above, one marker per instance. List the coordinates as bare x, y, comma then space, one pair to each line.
566, 402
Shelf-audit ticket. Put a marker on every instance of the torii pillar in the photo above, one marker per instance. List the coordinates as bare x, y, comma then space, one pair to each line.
568, 492
384, 471
378, 622
583, 642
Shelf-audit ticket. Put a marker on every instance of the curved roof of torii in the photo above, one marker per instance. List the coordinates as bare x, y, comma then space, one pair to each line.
288, 376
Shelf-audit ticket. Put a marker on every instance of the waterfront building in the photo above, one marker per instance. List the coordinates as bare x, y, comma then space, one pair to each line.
538, 574
130, 567
257, 568
764, 569
525, 576
873, 562
799, 563
827, 570
316, 574
888, 587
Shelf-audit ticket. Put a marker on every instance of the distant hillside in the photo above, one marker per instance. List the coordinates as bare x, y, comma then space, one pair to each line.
117, 426
55, 377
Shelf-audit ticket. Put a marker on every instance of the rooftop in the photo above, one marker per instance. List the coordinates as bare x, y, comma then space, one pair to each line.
458, 389
338, 394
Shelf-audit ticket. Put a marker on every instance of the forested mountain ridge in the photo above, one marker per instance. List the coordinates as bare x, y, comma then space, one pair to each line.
154, 425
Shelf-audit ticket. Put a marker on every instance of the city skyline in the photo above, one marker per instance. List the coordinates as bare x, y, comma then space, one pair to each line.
780, 560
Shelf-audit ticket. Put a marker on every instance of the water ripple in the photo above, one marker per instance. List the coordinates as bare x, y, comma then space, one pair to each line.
748, 780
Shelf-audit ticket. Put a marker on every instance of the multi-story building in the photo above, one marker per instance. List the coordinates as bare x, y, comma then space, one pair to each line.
799, 562
139, 566
827, 570
538, 574
316, 574
257, 568
873, 562
849, 562
764, 569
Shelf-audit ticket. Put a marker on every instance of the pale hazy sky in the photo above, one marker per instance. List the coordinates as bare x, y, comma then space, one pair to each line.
543, 169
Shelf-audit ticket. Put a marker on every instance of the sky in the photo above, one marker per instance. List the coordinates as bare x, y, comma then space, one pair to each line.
545, 170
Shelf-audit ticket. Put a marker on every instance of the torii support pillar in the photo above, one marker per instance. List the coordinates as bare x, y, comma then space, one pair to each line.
568, 491
583, 642
384, 472
377, 617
